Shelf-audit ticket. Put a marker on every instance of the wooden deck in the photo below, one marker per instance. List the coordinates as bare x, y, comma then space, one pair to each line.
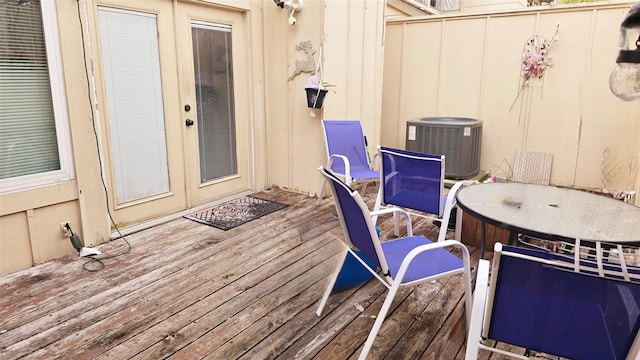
190, 291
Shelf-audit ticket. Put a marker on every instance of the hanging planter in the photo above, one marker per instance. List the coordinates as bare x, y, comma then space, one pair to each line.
317, 90
315, 97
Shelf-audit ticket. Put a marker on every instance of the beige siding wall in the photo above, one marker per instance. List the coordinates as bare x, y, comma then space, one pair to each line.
30, 220
30, 225
351, 32
470, 67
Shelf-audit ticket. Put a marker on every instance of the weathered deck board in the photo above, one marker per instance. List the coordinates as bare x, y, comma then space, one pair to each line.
176, 262
228, 259
190, 291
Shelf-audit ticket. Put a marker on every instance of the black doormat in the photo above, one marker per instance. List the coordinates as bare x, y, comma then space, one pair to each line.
236, 212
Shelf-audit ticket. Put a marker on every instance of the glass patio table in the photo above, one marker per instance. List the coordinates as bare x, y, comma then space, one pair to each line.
551, 213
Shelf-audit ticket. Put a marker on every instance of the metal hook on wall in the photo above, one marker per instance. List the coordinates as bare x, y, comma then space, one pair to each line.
292, 6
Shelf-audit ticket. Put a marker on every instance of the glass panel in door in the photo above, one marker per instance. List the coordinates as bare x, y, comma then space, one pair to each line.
134, 104
214, 84
140, 112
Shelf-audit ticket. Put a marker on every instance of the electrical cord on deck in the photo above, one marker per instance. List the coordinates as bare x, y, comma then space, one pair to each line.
93, 259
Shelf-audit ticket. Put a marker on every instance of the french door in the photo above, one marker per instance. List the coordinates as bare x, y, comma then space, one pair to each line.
176, 127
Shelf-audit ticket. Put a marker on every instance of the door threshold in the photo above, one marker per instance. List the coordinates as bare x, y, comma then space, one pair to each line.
116, 234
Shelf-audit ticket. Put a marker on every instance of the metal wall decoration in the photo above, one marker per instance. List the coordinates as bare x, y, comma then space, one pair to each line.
307, 65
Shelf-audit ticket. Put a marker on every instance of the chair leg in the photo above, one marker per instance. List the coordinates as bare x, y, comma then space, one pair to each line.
458, 230
377, 206
479, 300
396, 222
330, 283
364, 188
466, 274
321, 193
444, 226
468, 300
379, 320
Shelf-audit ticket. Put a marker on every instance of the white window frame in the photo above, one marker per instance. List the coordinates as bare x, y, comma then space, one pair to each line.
59, 100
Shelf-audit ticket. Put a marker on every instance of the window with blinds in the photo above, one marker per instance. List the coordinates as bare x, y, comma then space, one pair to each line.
30, 137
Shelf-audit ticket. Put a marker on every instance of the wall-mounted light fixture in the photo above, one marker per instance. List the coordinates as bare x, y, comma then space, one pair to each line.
292, 6
624, 81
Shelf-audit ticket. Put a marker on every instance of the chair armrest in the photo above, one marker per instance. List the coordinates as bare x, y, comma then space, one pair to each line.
451, 195
407, 216
373, 163
347, 166
408, 259
390, 175
448, 206
477, 313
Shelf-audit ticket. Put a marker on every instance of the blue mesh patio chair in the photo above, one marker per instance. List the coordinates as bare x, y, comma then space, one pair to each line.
556, 304
347, 153
415, 182
406, 261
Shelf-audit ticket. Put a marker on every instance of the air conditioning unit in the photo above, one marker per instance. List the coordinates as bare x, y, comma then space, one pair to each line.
458, 139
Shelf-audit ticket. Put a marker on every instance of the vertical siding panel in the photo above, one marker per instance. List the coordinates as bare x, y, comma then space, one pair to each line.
281, 95
603, 154
15, 244
372, 70
441, 62
483, 72
502, 128
355, 66
553, 123
462, 67
392, 112
420, 78
292, 124
338, 55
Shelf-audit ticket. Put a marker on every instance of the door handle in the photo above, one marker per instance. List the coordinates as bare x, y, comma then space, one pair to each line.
188, 122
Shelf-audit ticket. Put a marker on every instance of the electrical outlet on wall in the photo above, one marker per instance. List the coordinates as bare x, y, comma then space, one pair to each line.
65, 229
